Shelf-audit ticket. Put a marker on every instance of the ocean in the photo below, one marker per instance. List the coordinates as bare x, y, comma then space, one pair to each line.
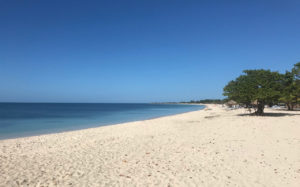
28, 119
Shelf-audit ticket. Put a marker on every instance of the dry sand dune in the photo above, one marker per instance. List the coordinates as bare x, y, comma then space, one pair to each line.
212, 147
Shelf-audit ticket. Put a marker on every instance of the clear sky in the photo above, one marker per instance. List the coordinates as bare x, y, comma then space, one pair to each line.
140, 51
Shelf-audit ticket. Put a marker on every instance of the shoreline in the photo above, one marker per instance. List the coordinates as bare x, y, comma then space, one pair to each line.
208, 147
93, 127
90, 128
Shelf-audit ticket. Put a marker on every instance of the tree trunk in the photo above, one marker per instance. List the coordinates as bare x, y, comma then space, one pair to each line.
260, 109
290, 106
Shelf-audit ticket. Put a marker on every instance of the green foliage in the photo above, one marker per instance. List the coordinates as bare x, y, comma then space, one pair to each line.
256, 88
260, 86
290, 89
209, 101
296, 83
296, 71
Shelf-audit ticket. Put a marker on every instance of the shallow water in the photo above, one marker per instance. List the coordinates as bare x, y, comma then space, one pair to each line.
27, 119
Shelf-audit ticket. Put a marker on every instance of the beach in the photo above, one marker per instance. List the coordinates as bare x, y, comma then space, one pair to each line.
211, 147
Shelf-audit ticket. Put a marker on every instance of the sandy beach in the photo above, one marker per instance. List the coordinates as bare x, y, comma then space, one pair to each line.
210, 147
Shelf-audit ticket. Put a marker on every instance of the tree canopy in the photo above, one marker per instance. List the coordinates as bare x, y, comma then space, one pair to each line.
255, 86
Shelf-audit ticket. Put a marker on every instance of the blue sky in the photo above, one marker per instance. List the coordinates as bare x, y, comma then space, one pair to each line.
140, 51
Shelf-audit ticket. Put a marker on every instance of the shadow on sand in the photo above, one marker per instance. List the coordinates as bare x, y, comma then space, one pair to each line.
268, 114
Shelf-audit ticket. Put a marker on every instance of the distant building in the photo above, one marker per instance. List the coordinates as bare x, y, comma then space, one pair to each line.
232, 104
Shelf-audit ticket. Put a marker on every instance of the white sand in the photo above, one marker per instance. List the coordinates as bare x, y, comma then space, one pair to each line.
212, 147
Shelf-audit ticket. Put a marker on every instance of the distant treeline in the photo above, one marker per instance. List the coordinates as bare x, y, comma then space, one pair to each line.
208, 101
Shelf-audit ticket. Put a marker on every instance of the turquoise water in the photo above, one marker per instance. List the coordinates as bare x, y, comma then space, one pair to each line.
28, 119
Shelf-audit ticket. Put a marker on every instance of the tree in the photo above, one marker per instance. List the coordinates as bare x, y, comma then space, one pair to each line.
255, 88
296, 73
290, 90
